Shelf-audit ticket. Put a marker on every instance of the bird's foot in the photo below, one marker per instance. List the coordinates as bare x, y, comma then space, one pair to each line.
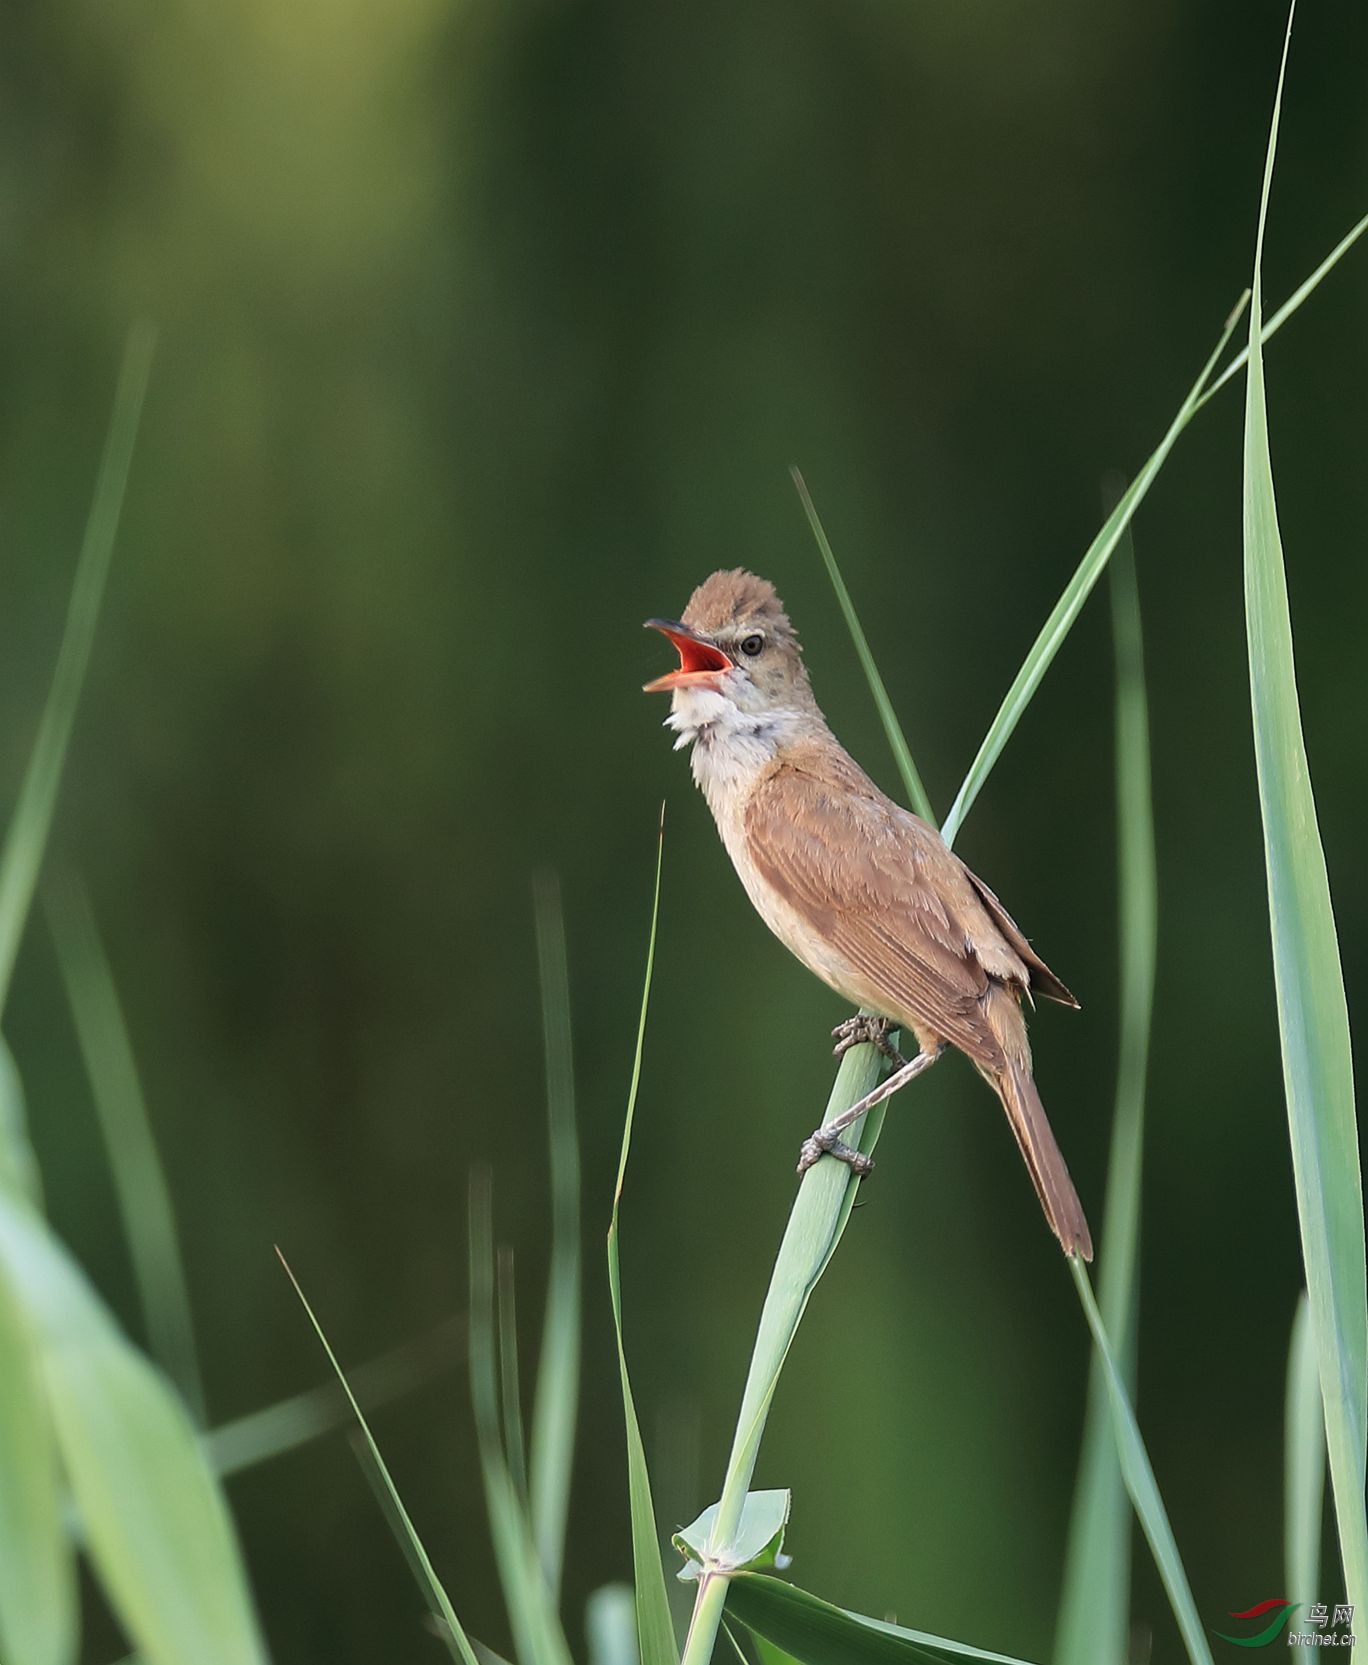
858, 1030
825, 1142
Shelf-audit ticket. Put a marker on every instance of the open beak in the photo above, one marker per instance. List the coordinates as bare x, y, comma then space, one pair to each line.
701, 665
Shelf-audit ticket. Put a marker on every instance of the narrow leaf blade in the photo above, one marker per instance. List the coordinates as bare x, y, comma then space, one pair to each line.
258, 1436
26, 837
556, 1401
814, 1632
156, 1524
1056, 628
1304, 1460
1094, 1607
144, 1197
1293, 302
38, 1608
1140, 1481
897, 740
655, 1633
18, 1164
510, 1374
527, 1597
434, 1592
1313, 1019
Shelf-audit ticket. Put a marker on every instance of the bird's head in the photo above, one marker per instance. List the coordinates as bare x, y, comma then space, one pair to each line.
740, 664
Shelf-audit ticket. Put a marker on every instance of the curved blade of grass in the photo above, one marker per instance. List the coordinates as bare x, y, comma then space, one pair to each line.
733, 1644
39, 1614
556, 1400
1056, 628
826, 1194
1140, 1481
145, 1206
156, 1526
1289, 306
912, 781
448, 1625
18, 1164
1313, 1019
788, 1295
420, 1568
510, 1377
814, 1632
1095, 1606
1089, 569
819, 1217
531, 1610
26, 837
655, 1633
1303, 1460
386, 1501
784, 1305
289, 1423
782, 1311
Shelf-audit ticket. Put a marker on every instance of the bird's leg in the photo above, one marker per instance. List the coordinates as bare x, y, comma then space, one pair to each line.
826, 1141
855, 1031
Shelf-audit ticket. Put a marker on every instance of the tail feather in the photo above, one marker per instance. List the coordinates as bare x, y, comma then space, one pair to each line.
1044, 1159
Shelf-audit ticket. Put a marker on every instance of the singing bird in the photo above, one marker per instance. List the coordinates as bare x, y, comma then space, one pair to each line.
866, 894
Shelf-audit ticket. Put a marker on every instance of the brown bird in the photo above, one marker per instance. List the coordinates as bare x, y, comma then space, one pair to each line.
866, 894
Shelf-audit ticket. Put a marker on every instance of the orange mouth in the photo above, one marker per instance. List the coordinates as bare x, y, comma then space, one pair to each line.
701, 665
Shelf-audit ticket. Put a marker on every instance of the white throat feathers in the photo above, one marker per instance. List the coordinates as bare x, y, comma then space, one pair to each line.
730, 746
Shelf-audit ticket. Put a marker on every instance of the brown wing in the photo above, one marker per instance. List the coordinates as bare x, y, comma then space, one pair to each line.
1043, 980
881, 890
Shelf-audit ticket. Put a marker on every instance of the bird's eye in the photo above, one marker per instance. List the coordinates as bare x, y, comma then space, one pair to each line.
751, 645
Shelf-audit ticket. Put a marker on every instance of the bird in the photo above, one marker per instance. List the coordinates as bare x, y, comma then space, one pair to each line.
866, 894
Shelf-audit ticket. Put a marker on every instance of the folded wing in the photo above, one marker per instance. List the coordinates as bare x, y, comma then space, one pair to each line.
882, 890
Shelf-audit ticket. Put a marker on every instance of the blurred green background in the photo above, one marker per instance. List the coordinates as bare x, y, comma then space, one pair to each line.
485, 333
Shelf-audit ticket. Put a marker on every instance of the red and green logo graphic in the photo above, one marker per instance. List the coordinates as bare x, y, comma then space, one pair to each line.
1278, 1613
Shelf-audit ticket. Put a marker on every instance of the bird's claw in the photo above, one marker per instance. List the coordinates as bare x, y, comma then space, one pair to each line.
821, 1143
861, 1030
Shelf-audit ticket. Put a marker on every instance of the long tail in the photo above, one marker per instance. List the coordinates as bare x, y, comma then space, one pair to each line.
1016, 1087
1044, 1160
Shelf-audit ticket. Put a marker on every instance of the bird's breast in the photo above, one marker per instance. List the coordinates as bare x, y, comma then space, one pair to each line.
728, 790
